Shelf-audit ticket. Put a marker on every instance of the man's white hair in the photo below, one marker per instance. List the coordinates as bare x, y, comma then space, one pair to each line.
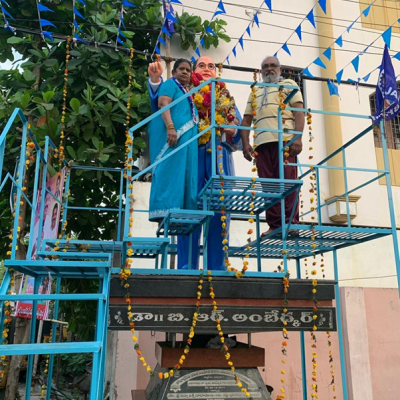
275, 58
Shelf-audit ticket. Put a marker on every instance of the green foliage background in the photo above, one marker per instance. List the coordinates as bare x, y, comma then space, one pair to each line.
97, 93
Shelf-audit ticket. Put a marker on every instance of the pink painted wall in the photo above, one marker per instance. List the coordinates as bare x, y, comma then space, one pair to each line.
383, 322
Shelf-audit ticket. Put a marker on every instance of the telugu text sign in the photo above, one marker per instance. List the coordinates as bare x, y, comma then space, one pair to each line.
233, 319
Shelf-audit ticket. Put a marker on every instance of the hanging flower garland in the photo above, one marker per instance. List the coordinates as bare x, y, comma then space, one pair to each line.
128, 140
285, 282
224, 347
331, 365
314, 385
46, 369
124, 275
61, 155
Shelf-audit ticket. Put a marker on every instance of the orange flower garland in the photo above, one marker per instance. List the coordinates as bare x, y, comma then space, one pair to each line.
128, 141
314, 385
331, 365
124, 276
61, 155
285, 283
224, 347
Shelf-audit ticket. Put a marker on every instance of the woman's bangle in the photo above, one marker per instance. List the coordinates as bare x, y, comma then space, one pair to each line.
170, 126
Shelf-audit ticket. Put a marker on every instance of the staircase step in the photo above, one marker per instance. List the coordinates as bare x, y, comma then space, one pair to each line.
243, 195
46, 297
50, 348
146, 247
183, 222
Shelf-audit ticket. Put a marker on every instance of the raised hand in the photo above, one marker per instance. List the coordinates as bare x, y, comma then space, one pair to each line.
155, 71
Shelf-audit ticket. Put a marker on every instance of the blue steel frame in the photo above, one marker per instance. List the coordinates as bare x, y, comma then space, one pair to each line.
79, 268
73, 264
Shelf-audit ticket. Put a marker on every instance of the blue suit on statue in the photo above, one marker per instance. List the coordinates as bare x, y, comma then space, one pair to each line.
215, 254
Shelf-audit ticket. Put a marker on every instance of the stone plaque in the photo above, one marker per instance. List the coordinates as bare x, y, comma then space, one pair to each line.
234, 319
208, 384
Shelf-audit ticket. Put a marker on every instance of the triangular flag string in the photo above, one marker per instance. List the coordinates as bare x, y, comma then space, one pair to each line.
219, 10
310, 17
44, 22
339, 41
386, 36
248, 29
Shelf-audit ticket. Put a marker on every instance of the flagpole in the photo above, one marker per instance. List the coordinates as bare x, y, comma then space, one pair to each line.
390, 196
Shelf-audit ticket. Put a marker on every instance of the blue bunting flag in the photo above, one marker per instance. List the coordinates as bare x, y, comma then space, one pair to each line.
48, 35
350, 26
328, 53
387, 36
43, 8
45, 22
256, 20
7, 13
122, 21
397, 56
175, 1
339, 41
333, 89
120, 41
227, 60
221, 9
248, 31
76, 12
307, 72
166, 31
77, 26
355, 62
298, 31
197, 51
286, 48
193, 60
241, 42
322, 4
339, 77
162, 41
319, 62
78, 38
367, 10
202, 43
269, 4
209, 30
234, 51
310, 17
126, 3
366, 77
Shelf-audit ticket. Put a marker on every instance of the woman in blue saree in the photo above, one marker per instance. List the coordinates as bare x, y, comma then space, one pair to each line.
174, 182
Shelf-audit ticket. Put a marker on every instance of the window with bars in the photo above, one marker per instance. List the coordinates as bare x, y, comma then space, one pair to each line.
392, 128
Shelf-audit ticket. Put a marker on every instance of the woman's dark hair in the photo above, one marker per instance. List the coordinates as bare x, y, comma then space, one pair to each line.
180, 61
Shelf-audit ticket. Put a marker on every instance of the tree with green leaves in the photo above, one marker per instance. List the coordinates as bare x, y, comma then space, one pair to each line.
97, 95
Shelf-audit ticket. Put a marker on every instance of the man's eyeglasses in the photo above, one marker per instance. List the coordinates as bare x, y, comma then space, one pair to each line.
204, 66
272, 66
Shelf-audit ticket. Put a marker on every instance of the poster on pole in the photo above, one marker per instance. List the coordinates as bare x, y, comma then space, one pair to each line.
50, 223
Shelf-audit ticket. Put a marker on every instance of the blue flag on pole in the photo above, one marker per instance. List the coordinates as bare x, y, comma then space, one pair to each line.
387, 96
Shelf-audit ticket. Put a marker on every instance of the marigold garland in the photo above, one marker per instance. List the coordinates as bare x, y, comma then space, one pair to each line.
285, 282
61, 155
331, 365
124, 276
314, 385
128, 140
224, 347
